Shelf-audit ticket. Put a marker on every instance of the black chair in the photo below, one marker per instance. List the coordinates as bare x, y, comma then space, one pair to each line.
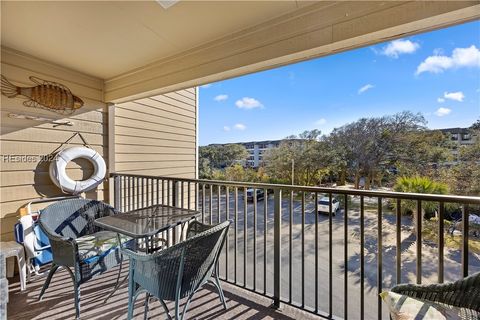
180, 270
79, 246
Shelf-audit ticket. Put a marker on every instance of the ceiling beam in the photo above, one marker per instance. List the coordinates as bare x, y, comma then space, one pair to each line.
321, 29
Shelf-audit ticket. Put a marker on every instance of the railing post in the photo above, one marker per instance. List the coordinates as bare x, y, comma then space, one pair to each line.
277, 246
465, 222
176, 236
116, 192
175, 193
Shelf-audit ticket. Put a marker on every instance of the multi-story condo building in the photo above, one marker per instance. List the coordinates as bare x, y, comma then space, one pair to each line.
460, 137
256, 149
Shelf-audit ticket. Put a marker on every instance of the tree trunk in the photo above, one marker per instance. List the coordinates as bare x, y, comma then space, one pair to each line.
379, 180
368, 180
342, 177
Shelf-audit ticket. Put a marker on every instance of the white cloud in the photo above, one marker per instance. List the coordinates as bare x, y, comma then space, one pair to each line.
365, 88
221, 97
461, 57
206, 86
240, 126
457, 96
226, 128
321, 121
248, 103
398, 47
442, 112
441, 100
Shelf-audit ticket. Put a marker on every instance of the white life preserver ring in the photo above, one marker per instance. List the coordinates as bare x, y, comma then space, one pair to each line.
59, 175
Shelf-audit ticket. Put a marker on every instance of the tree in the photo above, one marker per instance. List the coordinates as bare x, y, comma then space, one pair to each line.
418, 184
303, 152
422, 151
235, 173
369, 146
205, 170
219, 157
476, 125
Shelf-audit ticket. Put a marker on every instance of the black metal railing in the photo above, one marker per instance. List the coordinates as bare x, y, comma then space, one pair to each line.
333, 265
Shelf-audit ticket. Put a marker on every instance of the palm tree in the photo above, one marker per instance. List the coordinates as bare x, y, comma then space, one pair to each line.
419, 184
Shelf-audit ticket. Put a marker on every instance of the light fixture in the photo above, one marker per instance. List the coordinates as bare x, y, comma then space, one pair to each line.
167, 3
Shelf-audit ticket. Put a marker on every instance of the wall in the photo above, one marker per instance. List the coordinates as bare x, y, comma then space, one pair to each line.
24, 181
151, 136
157, 135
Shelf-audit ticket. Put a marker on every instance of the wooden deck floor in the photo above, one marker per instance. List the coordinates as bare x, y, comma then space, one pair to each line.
58, 302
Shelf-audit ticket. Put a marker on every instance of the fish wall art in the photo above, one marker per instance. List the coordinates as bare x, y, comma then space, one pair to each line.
46, 95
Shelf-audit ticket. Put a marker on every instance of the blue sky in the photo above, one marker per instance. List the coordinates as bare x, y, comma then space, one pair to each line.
435, 73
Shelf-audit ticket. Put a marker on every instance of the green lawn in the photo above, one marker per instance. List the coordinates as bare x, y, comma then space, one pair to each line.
430, 233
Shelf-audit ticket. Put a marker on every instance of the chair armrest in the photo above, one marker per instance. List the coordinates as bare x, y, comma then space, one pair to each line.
139, 256
196, 227
462, 293
64, 250
42, 248
418, 290
112, 210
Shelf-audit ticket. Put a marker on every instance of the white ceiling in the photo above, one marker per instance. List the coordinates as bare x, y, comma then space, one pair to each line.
105, 39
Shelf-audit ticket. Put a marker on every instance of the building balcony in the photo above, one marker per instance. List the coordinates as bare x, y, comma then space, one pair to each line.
139, 82
282, 253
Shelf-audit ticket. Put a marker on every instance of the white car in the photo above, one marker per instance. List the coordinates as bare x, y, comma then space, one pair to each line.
323, 205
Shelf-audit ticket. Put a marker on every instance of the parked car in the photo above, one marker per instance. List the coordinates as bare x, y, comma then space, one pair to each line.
260, 194
323, 205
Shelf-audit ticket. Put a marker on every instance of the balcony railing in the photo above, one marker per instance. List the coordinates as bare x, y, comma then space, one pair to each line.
327, 264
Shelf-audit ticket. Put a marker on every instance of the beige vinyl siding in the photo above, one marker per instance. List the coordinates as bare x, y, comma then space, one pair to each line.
24, 181
157, 135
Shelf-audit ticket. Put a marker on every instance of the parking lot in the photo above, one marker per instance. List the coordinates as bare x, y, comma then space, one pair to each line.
264, 240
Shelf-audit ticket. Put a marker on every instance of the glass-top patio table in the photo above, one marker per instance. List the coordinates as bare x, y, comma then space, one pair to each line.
146, 222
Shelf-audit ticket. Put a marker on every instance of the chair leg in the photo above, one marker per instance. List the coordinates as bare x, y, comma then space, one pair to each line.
76, 287
53, 269
177, 309
187, 303
131, 302
145, 313
216, 282
130, 309
131, 289
22, 268
76, 292
117, 283
164, 305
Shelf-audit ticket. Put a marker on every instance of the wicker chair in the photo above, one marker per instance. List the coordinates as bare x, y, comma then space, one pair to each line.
83, 249
180, 270
464, 293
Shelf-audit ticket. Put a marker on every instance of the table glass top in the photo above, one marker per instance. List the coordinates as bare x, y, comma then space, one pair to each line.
147, 221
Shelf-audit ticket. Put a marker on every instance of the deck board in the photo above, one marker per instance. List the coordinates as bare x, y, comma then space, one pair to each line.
58, 302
